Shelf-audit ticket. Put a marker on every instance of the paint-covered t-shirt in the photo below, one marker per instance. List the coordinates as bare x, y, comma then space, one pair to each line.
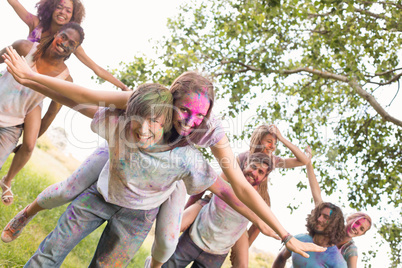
331, 258
217, 227
16, 100
348, 250
143, 180
214, 133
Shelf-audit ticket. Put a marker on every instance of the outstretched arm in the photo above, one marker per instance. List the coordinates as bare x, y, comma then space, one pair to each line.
280, 260
99, 71
312, 179
247, 194
18, 67
31, 20
300, 159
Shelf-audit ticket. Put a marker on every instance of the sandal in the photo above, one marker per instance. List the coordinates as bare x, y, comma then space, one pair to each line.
4, 196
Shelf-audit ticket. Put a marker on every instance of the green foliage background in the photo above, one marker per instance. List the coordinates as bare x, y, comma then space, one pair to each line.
318, 66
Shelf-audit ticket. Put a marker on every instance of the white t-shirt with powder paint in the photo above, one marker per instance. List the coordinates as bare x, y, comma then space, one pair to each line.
217, 227
142, 180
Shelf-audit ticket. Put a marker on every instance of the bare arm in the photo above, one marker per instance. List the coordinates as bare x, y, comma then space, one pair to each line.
352, 262
99, 71
253, 232
312, 179
18, 67
300, 159
280, 260
48, 118
193, 198
189, 216
247, 194
30, 20
21, 46
239, 252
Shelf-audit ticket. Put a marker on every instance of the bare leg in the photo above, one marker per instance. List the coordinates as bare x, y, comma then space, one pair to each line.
59, 193
31, 130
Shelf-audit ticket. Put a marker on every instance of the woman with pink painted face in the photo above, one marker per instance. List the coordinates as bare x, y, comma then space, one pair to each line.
203, 134
357, 224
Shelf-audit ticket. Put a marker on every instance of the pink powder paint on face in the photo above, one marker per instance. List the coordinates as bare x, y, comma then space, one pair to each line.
190, 111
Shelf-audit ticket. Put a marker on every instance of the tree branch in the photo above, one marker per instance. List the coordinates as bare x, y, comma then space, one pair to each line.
371, 14
387, 72
393, 79
374, 103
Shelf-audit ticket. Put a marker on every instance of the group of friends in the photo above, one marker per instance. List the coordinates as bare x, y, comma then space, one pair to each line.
149, 164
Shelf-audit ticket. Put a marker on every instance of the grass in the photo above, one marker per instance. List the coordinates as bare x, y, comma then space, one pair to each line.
26, 186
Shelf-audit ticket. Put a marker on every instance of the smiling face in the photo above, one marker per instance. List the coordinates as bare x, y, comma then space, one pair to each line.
357, 227
323, 219
63, 12
269, 144
148, 133
65, 42
255, 173
190, 110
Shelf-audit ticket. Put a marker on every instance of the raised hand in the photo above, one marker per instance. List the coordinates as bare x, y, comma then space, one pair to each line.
17, 65
308, 153
274, 129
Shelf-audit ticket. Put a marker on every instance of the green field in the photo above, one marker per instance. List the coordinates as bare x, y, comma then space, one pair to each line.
26, 186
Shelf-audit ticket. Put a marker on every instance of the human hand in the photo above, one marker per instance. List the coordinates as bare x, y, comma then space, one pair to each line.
268, 231
300, 247
308, 153
17, 65
274, 130
125, 88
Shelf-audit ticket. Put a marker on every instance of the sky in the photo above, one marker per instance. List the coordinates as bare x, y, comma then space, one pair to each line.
117, 30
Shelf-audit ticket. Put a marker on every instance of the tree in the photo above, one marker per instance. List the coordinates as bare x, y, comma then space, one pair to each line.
322, 66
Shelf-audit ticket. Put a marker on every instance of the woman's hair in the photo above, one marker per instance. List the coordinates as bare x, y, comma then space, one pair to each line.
357, 216
264, 159
186, 83
47, 7
256, 138
45, 42
151, 100
335, 230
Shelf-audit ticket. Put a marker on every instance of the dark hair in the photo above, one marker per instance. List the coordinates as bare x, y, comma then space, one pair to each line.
256, 138
151, 100
47, 7
335, 230
45, 42
186, 83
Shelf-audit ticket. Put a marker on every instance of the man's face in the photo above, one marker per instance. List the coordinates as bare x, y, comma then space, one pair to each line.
255, 173
65, 42
323, 219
